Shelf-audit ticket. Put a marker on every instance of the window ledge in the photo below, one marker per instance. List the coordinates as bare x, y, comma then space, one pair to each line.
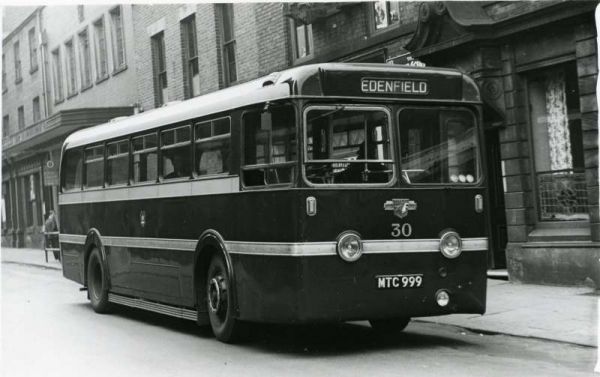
33, 70
118, 70
18, 81
84, 88
71, 95
101, 79
576, 231
59, 101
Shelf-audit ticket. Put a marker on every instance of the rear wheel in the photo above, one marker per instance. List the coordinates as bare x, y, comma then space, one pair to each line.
219, 301
389, 327
97, 281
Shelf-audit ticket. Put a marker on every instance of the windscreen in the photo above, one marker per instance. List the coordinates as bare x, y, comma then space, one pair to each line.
438, 146
348, 145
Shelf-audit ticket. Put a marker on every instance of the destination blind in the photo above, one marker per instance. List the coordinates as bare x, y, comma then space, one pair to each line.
394, 86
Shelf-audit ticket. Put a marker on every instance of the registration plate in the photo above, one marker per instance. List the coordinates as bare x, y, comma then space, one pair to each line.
399, 281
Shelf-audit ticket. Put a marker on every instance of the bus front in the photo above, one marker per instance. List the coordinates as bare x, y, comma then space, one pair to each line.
394, 196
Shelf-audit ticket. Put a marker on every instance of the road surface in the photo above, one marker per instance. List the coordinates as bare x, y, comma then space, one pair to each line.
49, 329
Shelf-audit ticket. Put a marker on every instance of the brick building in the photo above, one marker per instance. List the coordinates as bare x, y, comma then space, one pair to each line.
535, 62
65, 67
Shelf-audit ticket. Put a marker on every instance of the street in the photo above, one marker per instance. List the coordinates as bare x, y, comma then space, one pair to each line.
49, 329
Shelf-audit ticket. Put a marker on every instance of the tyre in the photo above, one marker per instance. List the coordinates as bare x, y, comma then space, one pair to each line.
219, 302
97, 281
389, 327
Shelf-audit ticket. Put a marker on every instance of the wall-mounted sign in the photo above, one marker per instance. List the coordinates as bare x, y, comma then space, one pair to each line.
394, 86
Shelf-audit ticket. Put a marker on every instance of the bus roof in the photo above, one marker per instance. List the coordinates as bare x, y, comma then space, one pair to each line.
349, 80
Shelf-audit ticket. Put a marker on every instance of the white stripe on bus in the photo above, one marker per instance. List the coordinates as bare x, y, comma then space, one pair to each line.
217, 185
293, 249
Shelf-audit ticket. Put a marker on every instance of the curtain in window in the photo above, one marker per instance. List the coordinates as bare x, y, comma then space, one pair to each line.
557, 122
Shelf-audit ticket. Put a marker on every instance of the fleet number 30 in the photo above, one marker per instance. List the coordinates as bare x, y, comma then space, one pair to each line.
404, 230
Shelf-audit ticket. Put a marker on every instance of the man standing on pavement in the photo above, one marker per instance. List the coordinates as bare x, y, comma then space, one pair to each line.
51, 225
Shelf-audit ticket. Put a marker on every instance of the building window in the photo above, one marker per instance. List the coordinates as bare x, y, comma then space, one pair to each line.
100, 48
302, 39
71, 68
558, 144
384, 14
85, 60
4, 88
21, 117
160, 69
17, 53
57, 76
5, 126
118, 38
33, 60
36, 110
228, 43
190, 57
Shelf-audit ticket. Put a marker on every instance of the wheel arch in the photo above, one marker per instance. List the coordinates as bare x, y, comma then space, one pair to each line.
210, 243
94, 240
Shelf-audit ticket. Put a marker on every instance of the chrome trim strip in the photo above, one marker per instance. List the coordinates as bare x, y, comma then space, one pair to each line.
72, 238
169, 310
197, 187
290, 249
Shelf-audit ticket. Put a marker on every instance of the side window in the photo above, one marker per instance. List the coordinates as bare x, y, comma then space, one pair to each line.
71, 170
213, 139
94, 166
269, 146
117, 162
176, 153
145, 158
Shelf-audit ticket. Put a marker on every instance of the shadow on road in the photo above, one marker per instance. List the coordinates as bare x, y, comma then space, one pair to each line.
308, 340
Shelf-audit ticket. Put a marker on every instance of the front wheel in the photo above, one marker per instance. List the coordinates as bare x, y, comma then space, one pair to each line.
219, 302
97, 281
389, 327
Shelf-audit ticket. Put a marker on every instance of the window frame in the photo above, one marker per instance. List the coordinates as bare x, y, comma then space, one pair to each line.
36, 109
117, 49
188, 28
162, 147
110, 157
18, 62
226, 11
85, 59
133, 152
5, 126
100, 49
21, 117
57, 80
197, 141
159, 71
33, 57
63, 177
371, 19
84, 180
71, 68
346, 107
293, 25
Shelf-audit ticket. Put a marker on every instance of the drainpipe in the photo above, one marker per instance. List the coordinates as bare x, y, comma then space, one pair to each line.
42, 53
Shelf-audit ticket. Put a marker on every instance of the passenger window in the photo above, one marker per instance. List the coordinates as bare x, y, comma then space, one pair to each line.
72, 170
269, 146
118, 162
176, 153
94, 167
212, 146
145, 158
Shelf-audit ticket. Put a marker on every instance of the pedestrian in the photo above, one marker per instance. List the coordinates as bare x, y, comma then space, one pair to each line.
51, 225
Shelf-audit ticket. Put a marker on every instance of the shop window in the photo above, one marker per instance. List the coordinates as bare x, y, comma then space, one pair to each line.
117, 163
176, 153
558, 145
33, 60
384, 14
190, 57
100, 48
94, 167
145, 158
118, 38
72, 170
85, 59
212, 146
160, 69
71, 68
302, 39
228, 43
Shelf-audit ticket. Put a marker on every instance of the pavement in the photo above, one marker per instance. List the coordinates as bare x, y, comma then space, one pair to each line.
563, 314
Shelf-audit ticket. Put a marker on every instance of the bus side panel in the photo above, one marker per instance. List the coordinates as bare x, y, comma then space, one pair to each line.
72, 260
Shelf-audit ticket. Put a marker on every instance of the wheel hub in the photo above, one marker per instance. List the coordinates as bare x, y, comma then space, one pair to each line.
217, 294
